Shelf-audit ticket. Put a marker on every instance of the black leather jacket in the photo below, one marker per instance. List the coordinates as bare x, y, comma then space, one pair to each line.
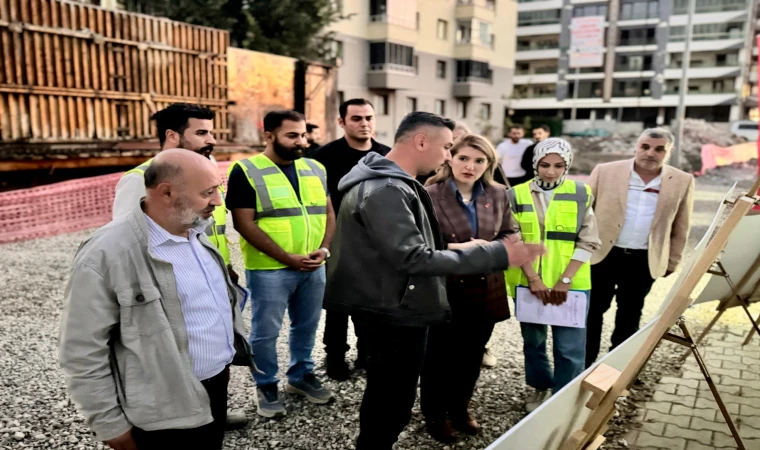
388, 260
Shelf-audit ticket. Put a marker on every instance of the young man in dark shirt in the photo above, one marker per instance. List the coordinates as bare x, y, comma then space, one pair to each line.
357, 118
313, 136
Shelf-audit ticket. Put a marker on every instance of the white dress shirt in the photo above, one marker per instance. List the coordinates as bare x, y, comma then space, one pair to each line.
639, 212
511, 156
204, 300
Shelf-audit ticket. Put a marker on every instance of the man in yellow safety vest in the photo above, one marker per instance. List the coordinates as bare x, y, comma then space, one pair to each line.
282, 210
190, 127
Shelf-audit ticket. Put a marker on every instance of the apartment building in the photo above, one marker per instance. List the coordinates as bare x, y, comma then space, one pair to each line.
451, 57
644, 45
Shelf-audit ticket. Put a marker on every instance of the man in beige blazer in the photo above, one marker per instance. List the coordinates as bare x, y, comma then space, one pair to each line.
643, 209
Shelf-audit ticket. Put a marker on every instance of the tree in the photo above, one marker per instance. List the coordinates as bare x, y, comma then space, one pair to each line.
296, 28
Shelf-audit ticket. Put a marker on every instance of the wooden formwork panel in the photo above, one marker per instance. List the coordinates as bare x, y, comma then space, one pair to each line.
72, 71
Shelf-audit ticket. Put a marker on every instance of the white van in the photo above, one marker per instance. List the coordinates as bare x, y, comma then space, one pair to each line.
745, 128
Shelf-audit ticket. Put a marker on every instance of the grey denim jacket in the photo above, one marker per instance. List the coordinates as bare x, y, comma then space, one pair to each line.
123, 344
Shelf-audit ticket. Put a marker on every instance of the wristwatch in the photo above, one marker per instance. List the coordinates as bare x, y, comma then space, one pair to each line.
566, 280
327, 252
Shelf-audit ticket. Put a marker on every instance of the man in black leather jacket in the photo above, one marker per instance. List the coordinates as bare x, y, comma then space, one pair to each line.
389, 264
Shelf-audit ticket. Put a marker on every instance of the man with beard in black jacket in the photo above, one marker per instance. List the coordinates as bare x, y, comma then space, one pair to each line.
388, 269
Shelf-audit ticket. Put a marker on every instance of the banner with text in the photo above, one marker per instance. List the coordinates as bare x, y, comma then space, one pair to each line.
587, 42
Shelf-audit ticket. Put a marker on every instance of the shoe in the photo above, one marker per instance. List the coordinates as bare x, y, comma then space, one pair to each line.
337, 369
268, 402
236, 418
536, 400
466, 424
489, 360
310, 388
441, 431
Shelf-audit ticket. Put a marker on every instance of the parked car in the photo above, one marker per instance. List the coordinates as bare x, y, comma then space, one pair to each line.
745, 128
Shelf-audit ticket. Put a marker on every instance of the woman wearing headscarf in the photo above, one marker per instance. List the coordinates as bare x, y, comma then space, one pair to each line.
471, 209
556, 212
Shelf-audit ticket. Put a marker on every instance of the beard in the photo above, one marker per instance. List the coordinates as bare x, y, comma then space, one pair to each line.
287, 153
187, 217
204, 151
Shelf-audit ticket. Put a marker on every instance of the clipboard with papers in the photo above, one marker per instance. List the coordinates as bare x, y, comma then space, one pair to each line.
572, 313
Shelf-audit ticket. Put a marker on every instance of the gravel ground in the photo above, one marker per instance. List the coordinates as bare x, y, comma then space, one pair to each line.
35, 411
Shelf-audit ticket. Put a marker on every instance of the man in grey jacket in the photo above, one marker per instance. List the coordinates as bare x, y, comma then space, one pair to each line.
151, 320
388, 267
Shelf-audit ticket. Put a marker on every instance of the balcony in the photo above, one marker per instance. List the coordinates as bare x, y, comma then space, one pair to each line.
383, 27
473, 86
707, 42
537, 50
473, 49
538, 21
637, 42
390, 76
484, 10
683, 8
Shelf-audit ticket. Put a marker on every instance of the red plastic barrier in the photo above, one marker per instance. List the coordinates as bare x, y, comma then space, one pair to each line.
60, 208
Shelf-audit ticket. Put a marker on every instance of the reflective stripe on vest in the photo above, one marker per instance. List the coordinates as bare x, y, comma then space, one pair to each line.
215, 233
296, 226
562, 222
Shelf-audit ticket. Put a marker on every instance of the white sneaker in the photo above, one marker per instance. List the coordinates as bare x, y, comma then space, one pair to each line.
535, 400
489, 360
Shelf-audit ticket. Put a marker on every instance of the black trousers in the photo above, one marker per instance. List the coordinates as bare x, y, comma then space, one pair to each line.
207, 437
623, 274
395, 358
452, 367
336, 336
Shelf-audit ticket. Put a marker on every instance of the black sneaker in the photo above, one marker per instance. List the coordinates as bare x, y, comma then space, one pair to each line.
337, 369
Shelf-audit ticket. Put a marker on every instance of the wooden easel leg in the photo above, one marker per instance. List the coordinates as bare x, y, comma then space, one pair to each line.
687, 341
751, 332
754, 325
709, 326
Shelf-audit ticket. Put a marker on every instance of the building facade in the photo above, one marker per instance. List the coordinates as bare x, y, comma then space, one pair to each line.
644, 45
451, 57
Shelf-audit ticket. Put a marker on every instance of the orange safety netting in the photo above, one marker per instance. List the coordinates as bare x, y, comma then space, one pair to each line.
60, 208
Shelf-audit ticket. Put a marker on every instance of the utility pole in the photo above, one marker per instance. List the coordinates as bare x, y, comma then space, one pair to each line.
575, 93
675, 157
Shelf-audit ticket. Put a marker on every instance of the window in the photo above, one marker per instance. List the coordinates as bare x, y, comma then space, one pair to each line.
590, 10
440, 107
382, 53
639, 9
468, 70
378, 7
417, 21
637, 36
411, 104
545, 17
440, 70
442, 30
485, 34
485, 111
381, 103
336, 49
462, 109
341, 97
416, 64
464, 33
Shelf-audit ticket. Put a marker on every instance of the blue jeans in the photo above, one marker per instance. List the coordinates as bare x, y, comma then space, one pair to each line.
569, 355
272, 291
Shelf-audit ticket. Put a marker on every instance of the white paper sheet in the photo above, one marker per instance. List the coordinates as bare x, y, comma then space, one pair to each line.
572, 313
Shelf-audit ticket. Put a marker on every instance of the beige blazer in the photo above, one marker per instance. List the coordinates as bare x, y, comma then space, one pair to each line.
670, 226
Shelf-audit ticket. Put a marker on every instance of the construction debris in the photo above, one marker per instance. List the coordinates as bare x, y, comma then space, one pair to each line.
697, 133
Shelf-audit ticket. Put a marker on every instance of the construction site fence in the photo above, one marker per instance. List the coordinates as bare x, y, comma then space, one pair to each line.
60, 208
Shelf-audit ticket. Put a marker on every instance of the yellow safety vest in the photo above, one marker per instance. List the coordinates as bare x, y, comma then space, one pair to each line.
215, 232
562, 223
296, 226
